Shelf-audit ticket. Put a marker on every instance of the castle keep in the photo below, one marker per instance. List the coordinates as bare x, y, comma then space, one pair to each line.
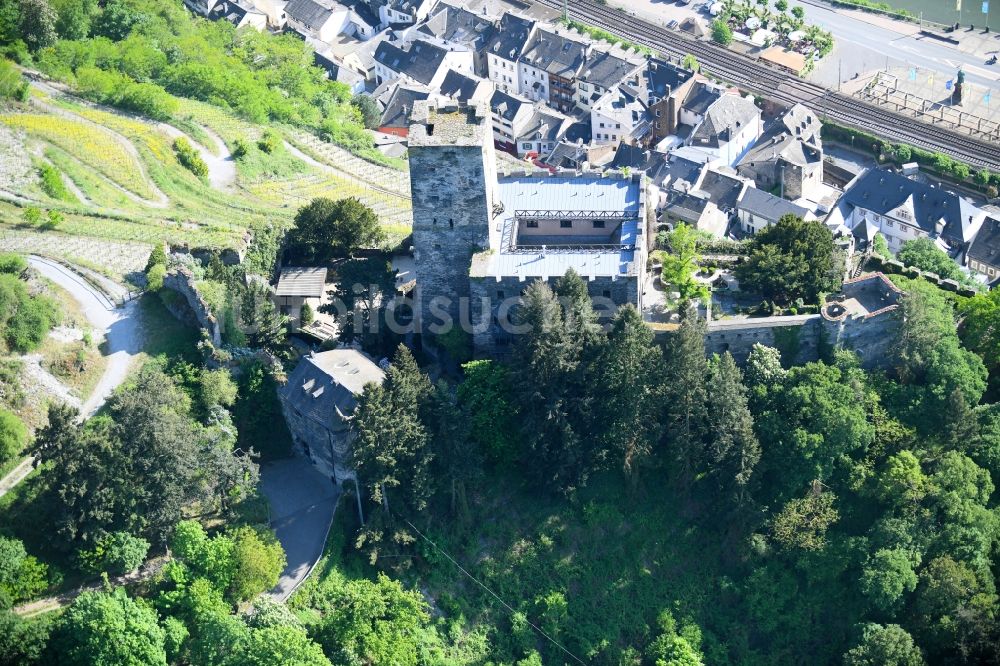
480, 239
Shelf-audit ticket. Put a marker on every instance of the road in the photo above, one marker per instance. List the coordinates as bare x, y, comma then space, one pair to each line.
122, 338
302, 505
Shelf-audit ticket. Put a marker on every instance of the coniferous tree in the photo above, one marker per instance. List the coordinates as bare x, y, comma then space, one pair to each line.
685, 396
734, 448
545, 362
629, 370
457, 461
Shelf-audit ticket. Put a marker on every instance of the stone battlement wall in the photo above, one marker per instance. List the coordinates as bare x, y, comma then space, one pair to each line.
181, 281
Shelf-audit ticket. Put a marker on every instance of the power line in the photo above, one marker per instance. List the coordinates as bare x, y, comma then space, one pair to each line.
494, 594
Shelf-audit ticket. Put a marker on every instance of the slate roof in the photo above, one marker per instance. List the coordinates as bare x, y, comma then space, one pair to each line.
768, 206
567, 155
324, 387
882, 191
986, 247
299, 281
724, 190
555, 53
228, 11
506, 105
508, 40
400, 105
544, 125
662, 78
420, 62
313, 13
728, 115
794, 138
654, 164
460, 86
459, 26
606, 70
702, 96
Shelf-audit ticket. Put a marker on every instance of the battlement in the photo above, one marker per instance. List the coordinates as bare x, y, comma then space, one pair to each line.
449, 124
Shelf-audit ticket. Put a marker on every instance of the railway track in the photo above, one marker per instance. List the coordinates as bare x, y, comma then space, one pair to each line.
784, 88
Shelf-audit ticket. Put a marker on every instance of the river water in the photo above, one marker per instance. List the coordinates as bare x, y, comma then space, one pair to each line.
943, 11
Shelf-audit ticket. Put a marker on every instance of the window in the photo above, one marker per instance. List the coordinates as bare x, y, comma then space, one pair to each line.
658, 113
565, 224
889, 223
531, 224
526, 145
606, 293
598, 224
437, 246
501, 295
618, 125
602, 124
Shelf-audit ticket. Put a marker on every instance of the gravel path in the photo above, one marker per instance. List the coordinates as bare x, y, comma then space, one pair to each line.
120, 327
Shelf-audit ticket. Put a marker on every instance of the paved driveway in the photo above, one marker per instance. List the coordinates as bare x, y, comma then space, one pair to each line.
302, 505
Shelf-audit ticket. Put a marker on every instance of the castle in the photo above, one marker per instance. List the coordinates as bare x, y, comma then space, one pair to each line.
480, 239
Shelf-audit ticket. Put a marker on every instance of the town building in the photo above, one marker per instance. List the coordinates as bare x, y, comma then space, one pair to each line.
479, 240
788, 156
298, 286
602, 71
984, 253
724, 125
666, 87
503, 49
318, 401
459, 26
902, 208
420, 61
757, 209
619, 116
549, 66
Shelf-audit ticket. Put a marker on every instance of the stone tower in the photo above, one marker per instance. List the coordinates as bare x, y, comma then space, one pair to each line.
453, 182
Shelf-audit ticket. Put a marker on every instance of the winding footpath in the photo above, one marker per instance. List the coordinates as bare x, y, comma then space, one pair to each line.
119, 326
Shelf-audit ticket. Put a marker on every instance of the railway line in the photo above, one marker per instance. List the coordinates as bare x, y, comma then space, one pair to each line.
773, 84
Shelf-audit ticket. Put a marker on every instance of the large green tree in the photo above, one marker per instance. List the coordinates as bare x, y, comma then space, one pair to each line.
628, 376
685, 398
733, 449
325, 228
888, 645
924, 253
790, 260
108, 629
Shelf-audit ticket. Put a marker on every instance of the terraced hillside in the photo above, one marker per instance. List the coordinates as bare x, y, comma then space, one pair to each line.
98, 185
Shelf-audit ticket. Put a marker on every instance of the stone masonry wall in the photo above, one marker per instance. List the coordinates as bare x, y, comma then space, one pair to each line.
182, 281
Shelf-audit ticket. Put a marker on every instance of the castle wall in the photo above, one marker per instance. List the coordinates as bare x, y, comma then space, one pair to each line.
495, 302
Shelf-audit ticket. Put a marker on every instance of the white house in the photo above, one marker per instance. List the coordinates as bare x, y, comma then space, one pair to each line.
510, 117
757, 209
318, 19
549, 66
901, 209
618, 116
405, 12
503, 50
724, 132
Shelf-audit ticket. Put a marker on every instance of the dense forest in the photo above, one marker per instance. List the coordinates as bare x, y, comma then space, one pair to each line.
597, 497
818, 513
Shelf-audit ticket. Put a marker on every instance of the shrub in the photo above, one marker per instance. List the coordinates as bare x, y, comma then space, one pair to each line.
269, 142
240, 148
12, 84
12, 264
13, 435
157, 257
52, 183
189, 158
368, 107
24, 320
721, 33
32, 215
116, 553
307, 314
154, 277
53, 219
